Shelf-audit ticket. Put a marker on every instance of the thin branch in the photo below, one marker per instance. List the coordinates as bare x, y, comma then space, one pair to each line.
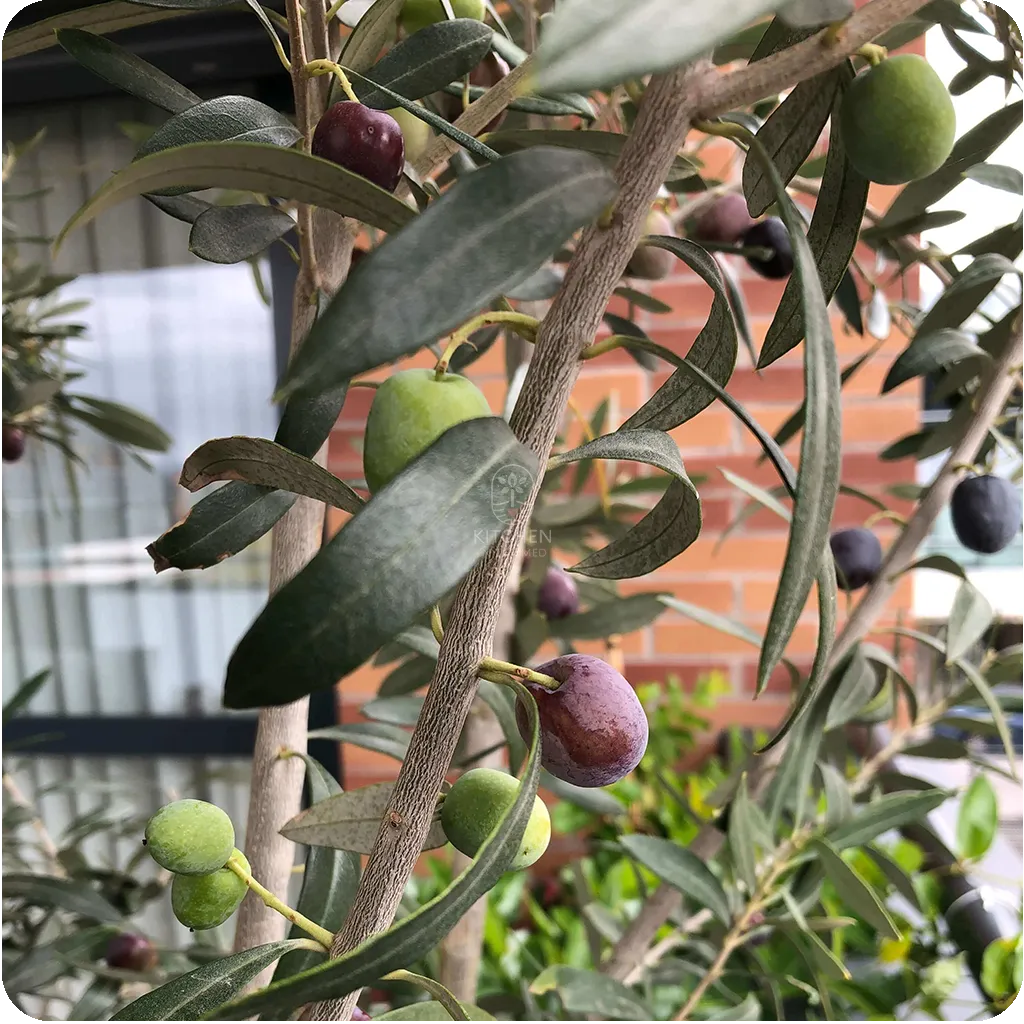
276, 788
569, 327
782, 70
992, 396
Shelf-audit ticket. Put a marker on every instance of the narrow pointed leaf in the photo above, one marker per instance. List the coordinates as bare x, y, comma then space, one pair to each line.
742, 838
607, 145
930, 352
470, 245
855, 689
192, 996
587, 992
682, 869
400, 710
820, 456
972, 148
681, 397
350, 821
99, 18
120, 67
431, 1009
405, 942
969, 617
902, 882
376, 27
789, 135
618, 615
502, 702
887, 812
329, 881
383, 739
669, 528
590, 45
793, 776
966, 293
230, 234
854, 891
256, 460
413, 542
427, 61
978, 681
73, 895
251, 166
838, 801
22, 697
831, 236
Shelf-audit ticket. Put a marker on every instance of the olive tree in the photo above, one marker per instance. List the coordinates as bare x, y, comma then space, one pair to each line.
423, 564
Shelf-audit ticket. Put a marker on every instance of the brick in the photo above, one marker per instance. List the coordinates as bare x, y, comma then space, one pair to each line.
779, 682
742, 554
716, 596
683, 636
713, 428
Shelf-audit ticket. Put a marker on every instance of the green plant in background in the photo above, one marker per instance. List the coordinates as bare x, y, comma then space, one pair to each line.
37, 367
769, 885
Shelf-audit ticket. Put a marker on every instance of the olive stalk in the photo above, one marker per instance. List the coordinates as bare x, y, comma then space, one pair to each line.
493, 666
522, 323
322, 66
321, 935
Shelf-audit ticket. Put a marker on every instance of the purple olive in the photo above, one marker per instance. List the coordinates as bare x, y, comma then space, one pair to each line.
131, 952
770, 234
593, 727
365, 141
558, 596
725, 220
13, 443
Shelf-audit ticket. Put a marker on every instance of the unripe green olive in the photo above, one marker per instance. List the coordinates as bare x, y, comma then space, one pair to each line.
474, 806
415, 131
417, 14
205, 901
897, 121
410, 411
190, 837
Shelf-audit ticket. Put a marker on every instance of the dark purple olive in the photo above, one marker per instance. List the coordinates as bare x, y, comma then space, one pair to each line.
14, 442
986, 513
770, 233
858, 557
367, 142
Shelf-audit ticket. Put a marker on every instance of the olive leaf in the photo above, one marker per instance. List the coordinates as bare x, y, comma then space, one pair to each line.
669, 528
408, 546
258, 461
404, 942
122, 68
470, 245
230, 234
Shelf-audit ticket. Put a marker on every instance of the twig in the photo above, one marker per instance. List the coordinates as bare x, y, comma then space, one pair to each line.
276, 788
992, 397
46, 843
570, 325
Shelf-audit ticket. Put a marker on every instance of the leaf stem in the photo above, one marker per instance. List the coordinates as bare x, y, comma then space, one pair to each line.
525, 325
520, 672
332, 11
435, 988
322, 936
873, 53
436, 626
328, 67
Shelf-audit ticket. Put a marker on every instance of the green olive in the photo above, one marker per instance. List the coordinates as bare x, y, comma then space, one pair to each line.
190, 837
205, 901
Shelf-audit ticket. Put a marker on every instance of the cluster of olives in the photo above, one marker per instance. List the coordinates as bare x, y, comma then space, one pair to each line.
194, 840
986, 514
13, 442
376, 143
727, 221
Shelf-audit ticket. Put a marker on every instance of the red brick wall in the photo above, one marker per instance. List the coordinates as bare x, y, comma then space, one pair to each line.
739, 579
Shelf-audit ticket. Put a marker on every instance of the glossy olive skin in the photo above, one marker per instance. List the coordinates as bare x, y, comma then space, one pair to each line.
593, 727
897, 121
131, 952
986, 512
13, 442
558, 595
858, 557
475, 804
770, 233
648, 262
725, 220
190, 837
365, 141
410, 411
489, 72
200, 902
